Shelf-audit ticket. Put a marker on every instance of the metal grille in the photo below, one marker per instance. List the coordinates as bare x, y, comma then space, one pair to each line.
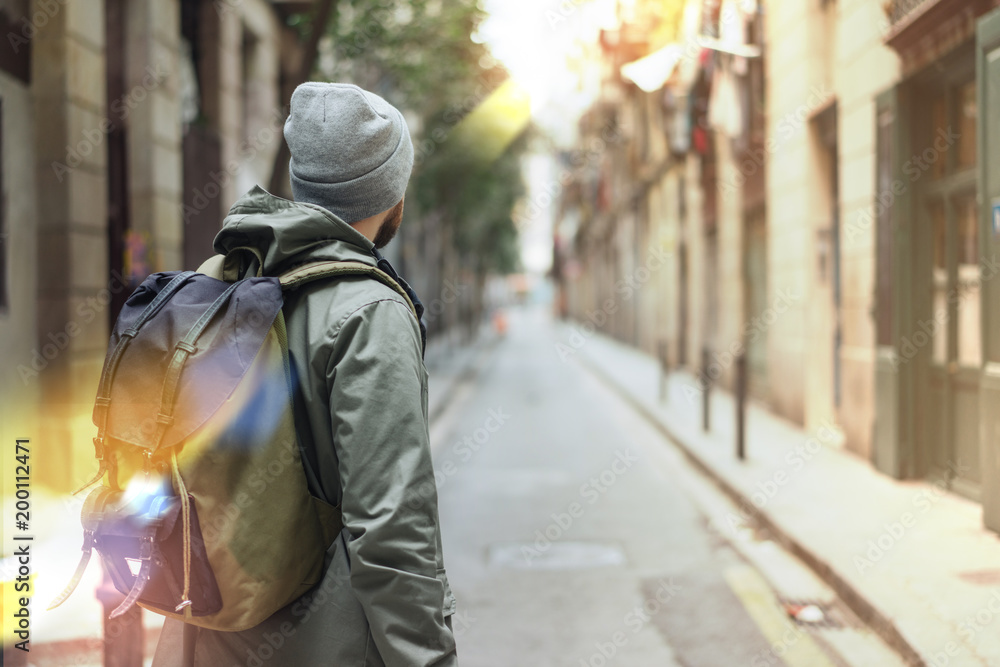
902, 8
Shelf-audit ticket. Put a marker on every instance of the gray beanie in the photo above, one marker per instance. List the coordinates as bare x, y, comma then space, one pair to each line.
351, 150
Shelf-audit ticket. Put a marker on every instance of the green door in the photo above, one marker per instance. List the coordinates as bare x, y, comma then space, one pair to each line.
946, 336
988, 183
953, 329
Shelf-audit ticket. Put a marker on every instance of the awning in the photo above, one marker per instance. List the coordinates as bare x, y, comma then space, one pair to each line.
651, 72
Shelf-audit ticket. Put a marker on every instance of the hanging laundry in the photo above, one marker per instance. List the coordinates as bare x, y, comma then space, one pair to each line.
725, 109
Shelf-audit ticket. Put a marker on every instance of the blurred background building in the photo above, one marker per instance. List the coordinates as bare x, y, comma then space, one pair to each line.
811, 186
806, 183
809, 174
130, 128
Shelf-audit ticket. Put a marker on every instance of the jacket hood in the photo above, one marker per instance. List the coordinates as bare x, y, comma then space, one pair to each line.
288, 232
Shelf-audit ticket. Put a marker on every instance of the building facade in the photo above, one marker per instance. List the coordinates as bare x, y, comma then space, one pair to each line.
128, 129
825, 208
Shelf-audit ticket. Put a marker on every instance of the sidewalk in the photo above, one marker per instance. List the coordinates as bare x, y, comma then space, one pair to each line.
913, 561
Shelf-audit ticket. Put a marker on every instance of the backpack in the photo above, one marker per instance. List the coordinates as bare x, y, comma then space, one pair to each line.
204, 512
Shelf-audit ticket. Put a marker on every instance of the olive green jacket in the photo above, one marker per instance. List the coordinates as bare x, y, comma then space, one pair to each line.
355, 348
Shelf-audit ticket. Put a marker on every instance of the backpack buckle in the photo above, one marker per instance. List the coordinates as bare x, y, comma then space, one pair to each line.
146, 547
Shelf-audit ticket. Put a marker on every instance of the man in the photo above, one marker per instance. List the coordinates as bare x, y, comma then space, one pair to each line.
361, 409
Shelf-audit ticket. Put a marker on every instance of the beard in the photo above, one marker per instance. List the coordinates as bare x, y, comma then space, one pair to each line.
389, 226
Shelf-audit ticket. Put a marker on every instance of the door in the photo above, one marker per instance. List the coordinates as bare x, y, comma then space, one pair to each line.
988, 184
947, 335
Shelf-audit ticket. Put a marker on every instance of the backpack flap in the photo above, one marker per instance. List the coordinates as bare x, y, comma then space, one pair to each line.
225, 349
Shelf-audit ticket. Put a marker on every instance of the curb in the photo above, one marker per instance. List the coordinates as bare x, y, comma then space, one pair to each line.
866, 610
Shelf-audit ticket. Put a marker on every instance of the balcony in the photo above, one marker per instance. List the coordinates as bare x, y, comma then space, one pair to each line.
922, 31
900, 9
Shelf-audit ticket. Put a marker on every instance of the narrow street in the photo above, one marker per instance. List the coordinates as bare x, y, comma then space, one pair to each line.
576, 535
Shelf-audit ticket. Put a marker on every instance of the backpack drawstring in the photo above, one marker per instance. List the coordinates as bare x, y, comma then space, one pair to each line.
186, 519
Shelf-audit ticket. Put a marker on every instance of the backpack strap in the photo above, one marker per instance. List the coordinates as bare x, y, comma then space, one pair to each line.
103, 401
227, 267
223, 267
213, 266
232, 263
181, 352
93, 506
329, 269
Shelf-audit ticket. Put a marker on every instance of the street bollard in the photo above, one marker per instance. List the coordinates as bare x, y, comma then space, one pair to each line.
741, 406
706, 395
662, 349
123, 636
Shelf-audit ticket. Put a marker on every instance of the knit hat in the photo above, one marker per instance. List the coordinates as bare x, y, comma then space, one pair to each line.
351, 150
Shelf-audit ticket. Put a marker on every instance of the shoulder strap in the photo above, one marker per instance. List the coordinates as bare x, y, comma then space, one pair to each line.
227, 267
330, 269
217, 267
300, 275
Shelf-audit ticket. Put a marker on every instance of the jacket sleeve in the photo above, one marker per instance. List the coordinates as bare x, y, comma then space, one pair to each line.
377, 384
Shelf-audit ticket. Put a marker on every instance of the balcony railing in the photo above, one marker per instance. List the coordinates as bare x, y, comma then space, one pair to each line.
900, 9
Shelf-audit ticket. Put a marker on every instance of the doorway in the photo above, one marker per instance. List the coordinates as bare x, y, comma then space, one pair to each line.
946, 336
